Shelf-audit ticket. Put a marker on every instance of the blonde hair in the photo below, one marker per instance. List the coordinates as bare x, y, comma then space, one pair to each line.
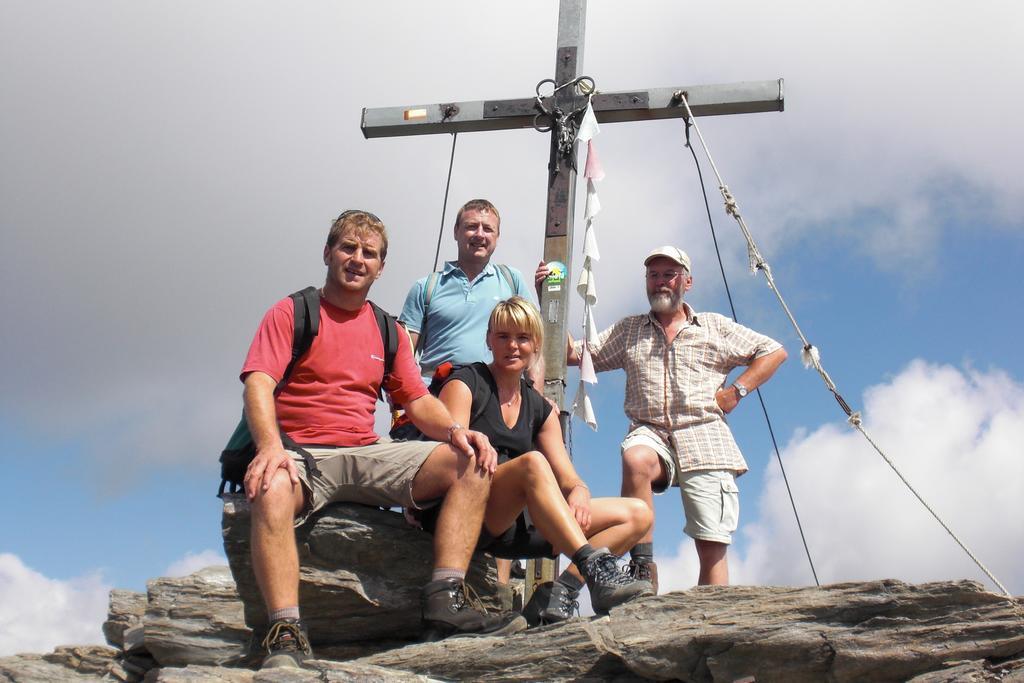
518, 314
361, 224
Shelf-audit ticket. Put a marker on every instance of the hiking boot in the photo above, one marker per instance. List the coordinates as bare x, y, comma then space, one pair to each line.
286, 644
550, 604
609, 586
644, 571
446, 612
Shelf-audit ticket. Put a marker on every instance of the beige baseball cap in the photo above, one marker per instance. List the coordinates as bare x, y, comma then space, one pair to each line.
673, 253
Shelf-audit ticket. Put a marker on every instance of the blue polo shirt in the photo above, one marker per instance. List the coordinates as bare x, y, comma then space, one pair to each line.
459, 310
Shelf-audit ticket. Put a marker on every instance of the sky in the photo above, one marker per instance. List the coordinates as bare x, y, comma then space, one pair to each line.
169, 170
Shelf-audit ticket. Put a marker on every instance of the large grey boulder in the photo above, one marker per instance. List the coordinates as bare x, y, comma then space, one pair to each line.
362, 569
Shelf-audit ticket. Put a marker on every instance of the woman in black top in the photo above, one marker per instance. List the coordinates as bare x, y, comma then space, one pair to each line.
535, 473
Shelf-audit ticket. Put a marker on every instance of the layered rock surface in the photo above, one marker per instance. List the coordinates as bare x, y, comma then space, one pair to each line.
360, 586
362, 571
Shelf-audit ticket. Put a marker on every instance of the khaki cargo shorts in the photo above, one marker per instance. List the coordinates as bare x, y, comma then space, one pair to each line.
380, 474
711, 499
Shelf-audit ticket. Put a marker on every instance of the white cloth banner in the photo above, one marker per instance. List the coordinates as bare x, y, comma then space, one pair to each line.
588, 125
591, 325
593, 203
587, 373
582, 409
586, 287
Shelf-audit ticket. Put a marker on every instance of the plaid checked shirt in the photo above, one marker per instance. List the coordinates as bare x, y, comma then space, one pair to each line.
670, 387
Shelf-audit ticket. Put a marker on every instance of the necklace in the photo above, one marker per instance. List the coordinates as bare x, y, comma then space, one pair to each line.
511, 401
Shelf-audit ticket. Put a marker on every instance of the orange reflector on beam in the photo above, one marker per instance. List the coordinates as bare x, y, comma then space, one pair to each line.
411, 114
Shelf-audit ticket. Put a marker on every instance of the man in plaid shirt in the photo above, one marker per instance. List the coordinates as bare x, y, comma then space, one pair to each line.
677, 363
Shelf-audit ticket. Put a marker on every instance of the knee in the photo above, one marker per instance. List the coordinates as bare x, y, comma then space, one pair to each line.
279, 499
640, 516
467, 473
535, 466
641, 463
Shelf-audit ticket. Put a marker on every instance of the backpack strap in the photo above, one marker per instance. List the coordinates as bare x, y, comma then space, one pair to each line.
482, 390
389, 336
509, 280
428, 293
306, 305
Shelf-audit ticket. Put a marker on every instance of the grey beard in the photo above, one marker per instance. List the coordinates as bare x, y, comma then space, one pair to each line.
663, 302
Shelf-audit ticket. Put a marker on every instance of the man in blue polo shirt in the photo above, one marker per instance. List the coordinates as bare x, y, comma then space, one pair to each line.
446, 313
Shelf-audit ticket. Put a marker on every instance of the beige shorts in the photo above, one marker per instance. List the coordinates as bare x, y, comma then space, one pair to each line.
711, 499
711, 502
380, 474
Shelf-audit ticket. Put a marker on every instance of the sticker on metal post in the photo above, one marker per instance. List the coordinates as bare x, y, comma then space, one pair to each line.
556, 276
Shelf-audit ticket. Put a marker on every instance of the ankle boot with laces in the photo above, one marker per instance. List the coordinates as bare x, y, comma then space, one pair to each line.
550, 604
609, 586
447, 612
286, 644
644, 571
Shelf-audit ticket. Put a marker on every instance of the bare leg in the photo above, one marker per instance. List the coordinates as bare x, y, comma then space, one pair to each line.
642, 469
465, 488
714, 567
616, 524
528, 481
275, 559
504, 570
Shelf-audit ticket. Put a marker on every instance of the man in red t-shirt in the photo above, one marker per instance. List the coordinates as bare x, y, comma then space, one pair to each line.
327, 406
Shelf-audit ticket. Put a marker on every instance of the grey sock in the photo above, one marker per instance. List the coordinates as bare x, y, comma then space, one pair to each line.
283, 613
581, 555
570, 581
441, 573
642, 552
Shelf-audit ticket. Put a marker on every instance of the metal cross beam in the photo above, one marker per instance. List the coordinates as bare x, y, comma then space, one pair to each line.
610, 107
638, 105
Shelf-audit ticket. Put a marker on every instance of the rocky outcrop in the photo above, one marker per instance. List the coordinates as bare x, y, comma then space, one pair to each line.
362, 572
195, 620
126, 611
872, 631
70, 663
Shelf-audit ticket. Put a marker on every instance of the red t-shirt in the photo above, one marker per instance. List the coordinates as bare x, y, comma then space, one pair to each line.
331, 395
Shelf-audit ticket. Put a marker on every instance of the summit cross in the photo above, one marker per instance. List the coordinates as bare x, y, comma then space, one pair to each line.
555, 110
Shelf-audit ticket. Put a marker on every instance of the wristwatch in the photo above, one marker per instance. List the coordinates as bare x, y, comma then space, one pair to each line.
741, 390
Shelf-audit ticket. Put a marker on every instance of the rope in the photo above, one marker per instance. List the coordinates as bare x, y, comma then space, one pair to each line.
444, 207
760, 396
809, 353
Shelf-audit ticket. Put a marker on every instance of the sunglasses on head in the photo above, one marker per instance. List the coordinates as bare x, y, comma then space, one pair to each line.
349, 212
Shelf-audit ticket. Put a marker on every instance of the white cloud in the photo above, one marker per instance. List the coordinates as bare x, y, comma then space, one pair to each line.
955, 434
193, 562
38, 613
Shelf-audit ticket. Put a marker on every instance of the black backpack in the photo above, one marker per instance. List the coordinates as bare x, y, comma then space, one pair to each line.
241, 449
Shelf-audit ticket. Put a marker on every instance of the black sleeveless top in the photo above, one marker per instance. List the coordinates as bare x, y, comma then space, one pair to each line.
485, 415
